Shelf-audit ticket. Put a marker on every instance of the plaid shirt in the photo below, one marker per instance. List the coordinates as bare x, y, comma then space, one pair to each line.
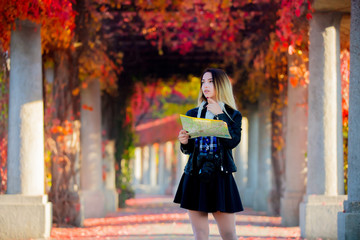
209, 144
206, 145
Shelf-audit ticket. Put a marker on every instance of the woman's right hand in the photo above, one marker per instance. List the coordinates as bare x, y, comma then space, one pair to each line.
183, 136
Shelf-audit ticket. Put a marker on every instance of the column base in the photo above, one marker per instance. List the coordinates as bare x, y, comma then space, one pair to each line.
318, 216
25, 217
111, 200
289, 208
94, 203
247, 197
261, 202
349, 221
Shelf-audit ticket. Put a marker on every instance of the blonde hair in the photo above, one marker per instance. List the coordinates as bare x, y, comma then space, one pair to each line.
222, 85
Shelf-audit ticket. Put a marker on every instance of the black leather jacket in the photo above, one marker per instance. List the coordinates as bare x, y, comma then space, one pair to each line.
226, 145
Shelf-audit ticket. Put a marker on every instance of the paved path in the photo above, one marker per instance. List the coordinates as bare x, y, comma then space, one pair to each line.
159, 219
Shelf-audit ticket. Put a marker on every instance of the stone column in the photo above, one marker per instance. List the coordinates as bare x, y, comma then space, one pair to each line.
252, 170
137, 173
25, 211
75, 182
145, 163
161, 169
181, 162
322, 202
295, 151
91, 182
152, 164
264, 165
169, 153
241, 157
349, 220
111, 195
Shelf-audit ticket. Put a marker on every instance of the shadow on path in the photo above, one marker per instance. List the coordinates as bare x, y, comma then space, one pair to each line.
158, 218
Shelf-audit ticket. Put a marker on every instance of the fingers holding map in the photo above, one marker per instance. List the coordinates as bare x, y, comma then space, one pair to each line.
201, 127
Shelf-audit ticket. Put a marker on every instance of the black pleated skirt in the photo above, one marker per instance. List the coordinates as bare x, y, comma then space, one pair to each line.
220, 194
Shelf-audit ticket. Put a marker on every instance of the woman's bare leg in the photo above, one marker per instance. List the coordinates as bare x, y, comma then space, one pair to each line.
200, 224
226, 224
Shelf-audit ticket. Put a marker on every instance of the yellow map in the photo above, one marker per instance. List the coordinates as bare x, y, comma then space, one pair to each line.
201, 127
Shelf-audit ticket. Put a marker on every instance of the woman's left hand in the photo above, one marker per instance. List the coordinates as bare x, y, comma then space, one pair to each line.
214, 107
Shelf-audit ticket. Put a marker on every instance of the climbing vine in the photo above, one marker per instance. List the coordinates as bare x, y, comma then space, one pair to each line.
345, 74
4, 102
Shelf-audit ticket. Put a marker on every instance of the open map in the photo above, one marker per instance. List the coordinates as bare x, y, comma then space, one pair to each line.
201, 127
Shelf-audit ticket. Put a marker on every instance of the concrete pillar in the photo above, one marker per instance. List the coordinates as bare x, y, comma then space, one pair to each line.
169, 153
153, 164
161, 169
349, 220
241, 157
295, 151
253, 158
91, 182
264, 165
25, 211
181, 162
322, 202
75, 182
111, 195
145, 163
137, 167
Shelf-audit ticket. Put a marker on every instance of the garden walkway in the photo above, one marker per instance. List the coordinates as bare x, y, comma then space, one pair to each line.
158, 218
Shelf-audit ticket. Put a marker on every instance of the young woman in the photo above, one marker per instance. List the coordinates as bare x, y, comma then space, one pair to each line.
207, 185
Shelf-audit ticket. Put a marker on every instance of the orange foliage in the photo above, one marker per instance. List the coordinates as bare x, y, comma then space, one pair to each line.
86, 107
55, 16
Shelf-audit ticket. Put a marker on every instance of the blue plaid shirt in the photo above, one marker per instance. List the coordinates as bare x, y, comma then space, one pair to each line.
206, 145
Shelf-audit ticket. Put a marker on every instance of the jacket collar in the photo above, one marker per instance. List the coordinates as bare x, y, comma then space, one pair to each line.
209, 115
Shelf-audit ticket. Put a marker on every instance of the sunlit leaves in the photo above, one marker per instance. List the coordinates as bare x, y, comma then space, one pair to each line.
192, 24
165, 98
291, 14
55, 16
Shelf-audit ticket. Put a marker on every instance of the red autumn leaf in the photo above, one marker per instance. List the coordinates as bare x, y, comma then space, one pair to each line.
293, 81
86, 107
308, 16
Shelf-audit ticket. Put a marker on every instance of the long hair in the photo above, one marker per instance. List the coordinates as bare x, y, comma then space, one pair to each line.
223, 88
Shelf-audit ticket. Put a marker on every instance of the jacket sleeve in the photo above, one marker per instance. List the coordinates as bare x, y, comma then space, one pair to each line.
189, 147
234, 126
